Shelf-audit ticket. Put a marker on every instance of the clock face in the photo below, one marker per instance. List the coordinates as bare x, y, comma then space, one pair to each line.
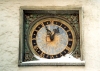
51, 38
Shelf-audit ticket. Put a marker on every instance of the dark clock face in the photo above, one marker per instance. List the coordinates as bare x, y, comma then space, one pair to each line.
51, 38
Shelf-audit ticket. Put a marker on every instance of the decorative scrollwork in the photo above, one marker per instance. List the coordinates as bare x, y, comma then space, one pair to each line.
72, 18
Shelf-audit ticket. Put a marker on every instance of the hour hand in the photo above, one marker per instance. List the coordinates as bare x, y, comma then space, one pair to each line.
48, 31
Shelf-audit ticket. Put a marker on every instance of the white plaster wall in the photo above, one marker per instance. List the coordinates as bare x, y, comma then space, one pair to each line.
9, 34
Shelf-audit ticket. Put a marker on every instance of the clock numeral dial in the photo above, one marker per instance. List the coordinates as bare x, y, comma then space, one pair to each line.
64, 27
39, 27
46, 23
58, 55
64, 52
34, 34
69, 34
69, 44
60, 31
34, 42
57, 23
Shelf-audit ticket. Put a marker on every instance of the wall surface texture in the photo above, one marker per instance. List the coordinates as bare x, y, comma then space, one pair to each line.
9, 34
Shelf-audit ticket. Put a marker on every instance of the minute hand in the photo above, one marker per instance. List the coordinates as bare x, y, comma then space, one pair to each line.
53, 35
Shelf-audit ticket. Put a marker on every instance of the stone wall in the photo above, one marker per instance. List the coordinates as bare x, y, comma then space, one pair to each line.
9, 34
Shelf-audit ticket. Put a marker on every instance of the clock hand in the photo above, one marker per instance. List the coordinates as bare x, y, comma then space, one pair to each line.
55, 31
48, 31
52, 36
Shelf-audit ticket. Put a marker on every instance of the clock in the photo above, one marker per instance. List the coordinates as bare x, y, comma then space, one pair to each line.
51, 37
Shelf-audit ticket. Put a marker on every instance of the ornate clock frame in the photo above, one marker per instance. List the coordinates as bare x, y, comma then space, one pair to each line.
72, 15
